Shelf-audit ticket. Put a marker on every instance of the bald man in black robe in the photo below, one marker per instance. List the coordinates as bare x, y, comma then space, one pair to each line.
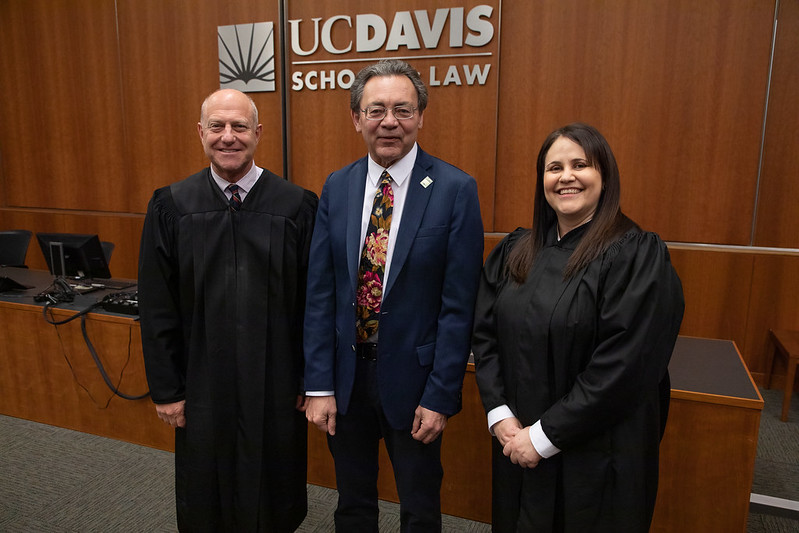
221, 298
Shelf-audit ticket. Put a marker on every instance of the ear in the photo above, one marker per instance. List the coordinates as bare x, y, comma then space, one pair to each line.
258, 130
200, 130
421, 119
356, 119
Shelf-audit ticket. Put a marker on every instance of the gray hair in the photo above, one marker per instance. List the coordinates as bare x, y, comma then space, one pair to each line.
253, 107
387, 67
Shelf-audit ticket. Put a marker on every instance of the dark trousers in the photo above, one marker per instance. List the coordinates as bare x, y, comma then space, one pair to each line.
417, 466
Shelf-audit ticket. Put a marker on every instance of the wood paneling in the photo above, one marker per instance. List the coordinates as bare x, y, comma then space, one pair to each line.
715, 286
49, 376
460, 121
63, 144
662, 80
706, 466
121, 229
169, 57
778, 209
774, 297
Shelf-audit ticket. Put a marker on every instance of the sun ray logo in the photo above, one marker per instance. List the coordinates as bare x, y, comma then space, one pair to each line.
247, 57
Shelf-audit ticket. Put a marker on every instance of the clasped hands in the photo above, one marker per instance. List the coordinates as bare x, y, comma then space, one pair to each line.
516, 443
321, 411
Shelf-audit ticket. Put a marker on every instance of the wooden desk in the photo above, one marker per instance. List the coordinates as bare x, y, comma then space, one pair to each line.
48, 375
707, 454
707, 457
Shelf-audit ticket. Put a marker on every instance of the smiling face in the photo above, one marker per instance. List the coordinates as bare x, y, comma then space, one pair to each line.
229, 133
389, 139
572, 186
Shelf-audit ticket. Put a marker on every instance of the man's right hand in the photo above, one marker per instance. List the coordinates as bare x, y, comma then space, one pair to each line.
173, 414
506, 429
321, 411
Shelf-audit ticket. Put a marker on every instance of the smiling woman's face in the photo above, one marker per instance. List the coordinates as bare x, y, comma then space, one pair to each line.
572, 186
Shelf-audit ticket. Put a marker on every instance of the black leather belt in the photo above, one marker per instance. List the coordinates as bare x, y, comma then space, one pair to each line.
366, 350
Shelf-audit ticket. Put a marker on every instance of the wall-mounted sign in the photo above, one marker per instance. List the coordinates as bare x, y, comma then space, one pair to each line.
247, 57
450, 42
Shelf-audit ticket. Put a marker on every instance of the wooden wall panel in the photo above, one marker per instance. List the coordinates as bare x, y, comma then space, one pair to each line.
663, 81
716, 289
169, 56
460, 122
48, 375
778, 209
121, 229
774, 297
63, 147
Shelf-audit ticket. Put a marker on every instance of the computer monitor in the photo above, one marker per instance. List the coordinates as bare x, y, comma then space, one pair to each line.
74, 255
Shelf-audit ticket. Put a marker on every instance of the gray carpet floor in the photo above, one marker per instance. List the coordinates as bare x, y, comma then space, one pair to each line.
54, 480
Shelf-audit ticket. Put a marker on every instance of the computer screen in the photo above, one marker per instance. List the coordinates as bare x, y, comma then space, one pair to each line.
74, 255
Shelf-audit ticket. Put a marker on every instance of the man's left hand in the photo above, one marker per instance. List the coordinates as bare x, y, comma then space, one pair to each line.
521, 451
427, 425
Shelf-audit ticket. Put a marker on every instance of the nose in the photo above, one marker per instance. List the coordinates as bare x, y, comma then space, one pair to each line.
389, 121
228, 136
566, 174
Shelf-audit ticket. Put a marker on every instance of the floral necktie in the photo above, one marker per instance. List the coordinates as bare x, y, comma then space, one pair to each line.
373, 260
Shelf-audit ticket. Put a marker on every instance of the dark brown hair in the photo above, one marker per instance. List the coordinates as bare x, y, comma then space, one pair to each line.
608, 224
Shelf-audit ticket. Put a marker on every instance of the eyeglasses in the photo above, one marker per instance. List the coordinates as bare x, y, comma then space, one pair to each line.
379, 112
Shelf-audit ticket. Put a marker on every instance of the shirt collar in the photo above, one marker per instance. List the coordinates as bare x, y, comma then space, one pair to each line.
400, 170
245, 183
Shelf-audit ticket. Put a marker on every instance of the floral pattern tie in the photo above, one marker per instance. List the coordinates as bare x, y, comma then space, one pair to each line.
373, 260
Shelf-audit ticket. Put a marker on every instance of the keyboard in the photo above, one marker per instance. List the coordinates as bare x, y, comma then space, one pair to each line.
126, 303
84, 286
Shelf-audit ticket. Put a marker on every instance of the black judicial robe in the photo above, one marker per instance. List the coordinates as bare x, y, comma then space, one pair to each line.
221, 299
589, 358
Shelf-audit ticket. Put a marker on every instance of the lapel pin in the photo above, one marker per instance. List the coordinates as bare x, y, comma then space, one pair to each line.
426, 182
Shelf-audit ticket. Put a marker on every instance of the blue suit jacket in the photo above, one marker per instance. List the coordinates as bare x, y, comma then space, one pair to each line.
428, 303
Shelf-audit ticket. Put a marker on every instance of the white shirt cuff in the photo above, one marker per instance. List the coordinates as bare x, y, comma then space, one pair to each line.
320, 393
498, 414
541, 442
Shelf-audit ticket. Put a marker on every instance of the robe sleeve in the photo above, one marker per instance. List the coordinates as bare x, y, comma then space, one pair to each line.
159, 309
485, 345
305, 220
639, 311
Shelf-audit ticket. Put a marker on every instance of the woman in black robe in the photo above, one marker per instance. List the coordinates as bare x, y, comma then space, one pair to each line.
575, 324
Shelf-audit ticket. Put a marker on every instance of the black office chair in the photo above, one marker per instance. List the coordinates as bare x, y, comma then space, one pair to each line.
14, 247
108, 248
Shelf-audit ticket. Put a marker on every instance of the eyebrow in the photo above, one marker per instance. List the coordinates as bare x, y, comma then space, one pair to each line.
382, 104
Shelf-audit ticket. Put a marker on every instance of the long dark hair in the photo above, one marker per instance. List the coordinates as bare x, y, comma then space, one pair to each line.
608, 223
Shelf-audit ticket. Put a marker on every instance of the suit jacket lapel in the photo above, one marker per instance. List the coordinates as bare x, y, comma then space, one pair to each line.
412, 213
356, 190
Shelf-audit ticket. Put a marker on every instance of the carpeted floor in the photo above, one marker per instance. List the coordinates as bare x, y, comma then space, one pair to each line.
54, 480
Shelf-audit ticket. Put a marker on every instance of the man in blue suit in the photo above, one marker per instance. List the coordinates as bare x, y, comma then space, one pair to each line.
395, 262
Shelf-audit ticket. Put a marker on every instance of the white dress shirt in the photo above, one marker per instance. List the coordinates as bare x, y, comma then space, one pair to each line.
245, 183
400, 173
